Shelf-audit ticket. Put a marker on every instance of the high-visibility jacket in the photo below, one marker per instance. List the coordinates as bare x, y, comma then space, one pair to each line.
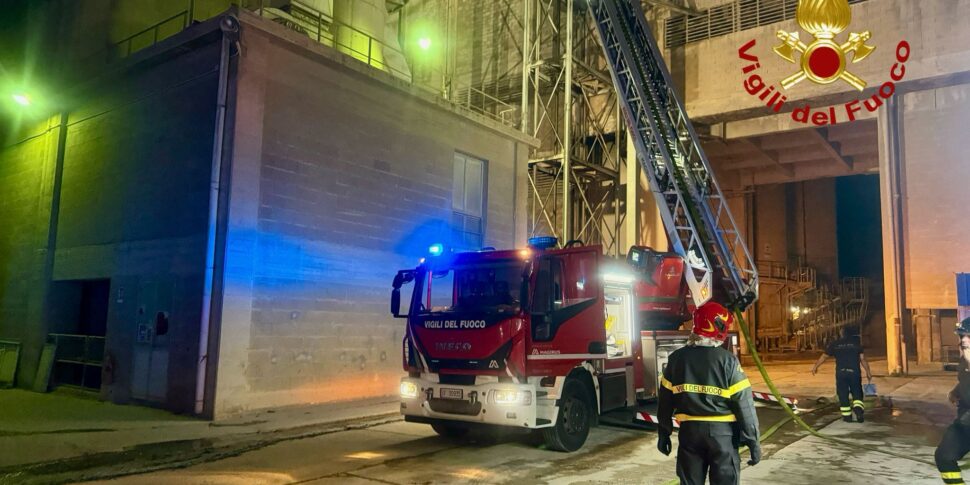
706, 384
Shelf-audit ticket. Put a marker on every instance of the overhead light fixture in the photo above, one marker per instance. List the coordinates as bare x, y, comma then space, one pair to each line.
21, 99
424, 43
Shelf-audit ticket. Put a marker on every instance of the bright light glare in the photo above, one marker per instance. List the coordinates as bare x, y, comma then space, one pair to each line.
503, 396
618, 278
436, 249
424, 43
409, 389
22, 99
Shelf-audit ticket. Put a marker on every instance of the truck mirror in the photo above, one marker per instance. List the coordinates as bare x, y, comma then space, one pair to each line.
396, 301
524, 294
636, 257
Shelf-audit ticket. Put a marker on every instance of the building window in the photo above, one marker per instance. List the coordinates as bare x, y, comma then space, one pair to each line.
468, 202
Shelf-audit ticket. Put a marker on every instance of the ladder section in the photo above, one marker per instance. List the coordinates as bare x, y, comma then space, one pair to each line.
695, 213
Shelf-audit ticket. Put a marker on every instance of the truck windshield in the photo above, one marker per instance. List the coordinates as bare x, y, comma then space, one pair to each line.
480, 288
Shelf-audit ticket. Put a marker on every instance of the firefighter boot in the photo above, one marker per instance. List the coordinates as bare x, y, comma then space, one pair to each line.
859, 409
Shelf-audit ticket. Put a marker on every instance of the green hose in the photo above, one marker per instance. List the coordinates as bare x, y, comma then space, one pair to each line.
791, 414
795, 417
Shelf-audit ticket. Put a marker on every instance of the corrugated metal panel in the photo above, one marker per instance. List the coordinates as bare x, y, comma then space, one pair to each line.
727, 19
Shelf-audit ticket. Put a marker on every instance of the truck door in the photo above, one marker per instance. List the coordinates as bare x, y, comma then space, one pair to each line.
567, 312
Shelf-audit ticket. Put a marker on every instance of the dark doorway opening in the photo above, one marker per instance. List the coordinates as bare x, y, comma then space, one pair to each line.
859, 226
859, 233
79, 325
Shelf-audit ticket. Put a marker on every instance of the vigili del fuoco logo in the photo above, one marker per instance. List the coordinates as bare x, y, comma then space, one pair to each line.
823, 60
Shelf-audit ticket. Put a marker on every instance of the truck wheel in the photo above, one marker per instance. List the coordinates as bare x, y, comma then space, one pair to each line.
573, 422
448, 430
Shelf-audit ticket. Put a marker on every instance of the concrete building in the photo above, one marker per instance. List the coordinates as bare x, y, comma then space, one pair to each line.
211, 221
893, 172
212, 224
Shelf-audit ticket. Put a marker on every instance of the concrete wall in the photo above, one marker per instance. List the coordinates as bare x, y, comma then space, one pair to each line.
713, 75
814, 238
27, 167
131, 208
794, 223
935, 193
341, 176
771, 244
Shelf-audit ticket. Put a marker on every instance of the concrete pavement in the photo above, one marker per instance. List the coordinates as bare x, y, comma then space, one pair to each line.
55, 438
65, 429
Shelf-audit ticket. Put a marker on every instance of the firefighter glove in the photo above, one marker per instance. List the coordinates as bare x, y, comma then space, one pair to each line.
755, 449
663, 443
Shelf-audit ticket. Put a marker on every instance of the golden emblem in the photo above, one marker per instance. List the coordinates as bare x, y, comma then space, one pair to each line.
823, 61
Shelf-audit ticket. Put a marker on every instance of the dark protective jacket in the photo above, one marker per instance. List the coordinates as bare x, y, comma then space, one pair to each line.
846, 351
706, 384
963, 394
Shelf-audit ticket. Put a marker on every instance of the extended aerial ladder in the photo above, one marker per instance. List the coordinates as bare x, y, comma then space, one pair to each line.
695, 213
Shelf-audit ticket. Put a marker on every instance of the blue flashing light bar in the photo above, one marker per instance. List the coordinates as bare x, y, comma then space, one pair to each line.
543, 242
436, 249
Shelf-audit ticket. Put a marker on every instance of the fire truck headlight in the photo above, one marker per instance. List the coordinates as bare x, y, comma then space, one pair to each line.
409, 390
503, 396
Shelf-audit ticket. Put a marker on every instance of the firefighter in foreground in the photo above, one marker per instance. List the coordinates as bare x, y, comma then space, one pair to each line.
705, 389
956, 438
848, 376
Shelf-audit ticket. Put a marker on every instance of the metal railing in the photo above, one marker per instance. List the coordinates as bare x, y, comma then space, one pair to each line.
84, 351
324, 29
778, 271
368, 49
816, 314
824, 313
726, 19
152, 35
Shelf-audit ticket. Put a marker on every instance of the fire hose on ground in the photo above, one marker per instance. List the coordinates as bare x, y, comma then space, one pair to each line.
796, 418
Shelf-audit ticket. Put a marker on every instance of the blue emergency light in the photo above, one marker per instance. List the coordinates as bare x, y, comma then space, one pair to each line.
436, 249
543, 242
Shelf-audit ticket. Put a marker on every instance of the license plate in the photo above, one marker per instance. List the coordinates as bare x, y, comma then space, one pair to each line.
447, 393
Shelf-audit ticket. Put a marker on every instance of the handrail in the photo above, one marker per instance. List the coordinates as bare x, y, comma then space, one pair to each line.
86, 351
323, 28
184, 15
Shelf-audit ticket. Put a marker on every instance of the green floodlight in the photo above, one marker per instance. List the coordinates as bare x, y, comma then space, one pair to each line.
424, 43
21, 99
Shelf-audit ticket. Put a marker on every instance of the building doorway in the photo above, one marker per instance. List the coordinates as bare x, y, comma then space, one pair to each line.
79, 323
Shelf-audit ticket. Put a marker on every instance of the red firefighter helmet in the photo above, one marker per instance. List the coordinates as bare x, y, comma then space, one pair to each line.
712, 320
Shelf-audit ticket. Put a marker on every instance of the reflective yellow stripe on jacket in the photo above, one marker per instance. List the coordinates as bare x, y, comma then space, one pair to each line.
725, 418
702, 389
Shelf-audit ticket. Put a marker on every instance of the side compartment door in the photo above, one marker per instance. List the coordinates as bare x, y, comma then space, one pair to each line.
617, 383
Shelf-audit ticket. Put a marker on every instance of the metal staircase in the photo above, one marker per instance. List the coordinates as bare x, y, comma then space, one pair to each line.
695, 213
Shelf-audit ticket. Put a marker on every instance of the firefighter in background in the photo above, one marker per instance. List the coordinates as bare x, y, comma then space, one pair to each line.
956, 438
704, 387
848, 376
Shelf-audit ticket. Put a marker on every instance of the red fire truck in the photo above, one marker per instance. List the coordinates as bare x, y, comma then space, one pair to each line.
550, 337
538, 338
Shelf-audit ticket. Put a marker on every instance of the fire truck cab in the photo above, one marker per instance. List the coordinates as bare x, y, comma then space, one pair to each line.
537, 338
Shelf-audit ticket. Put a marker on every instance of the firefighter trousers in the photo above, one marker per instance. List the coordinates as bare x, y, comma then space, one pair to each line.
708, 449
849, 382
955, 444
